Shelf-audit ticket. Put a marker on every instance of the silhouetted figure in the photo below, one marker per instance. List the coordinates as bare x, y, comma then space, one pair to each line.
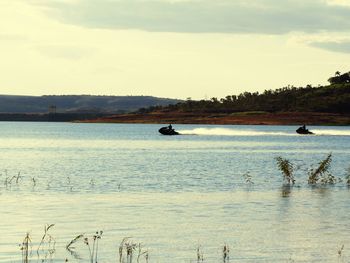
303, 130
168, 130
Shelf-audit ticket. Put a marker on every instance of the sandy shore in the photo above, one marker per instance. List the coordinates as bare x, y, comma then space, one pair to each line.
244, 118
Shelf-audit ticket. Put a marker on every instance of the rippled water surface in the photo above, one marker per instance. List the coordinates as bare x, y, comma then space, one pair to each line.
172, 193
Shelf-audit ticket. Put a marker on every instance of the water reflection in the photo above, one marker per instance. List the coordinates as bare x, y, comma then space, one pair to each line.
286, 190
171, 193
322, 190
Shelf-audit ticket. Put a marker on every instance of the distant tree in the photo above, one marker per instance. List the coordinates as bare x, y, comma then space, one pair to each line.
340, 79
337, 73
333, 98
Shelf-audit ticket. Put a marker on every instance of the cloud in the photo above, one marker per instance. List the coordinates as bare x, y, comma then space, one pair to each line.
64, 51
343, 47
12, 37
339, 2
332, 41
209, 16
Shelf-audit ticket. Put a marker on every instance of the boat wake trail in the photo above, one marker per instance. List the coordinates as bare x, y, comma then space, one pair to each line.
331, 132
231, 132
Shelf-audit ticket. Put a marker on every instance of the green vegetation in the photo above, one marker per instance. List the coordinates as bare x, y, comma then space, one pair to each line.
25, 248
48, 240
129, 252
226, 253
46, 248
334, 98
248, 178
133, 252
321, 173
286, 168
340, 78
348, 176
93, 252
81, 104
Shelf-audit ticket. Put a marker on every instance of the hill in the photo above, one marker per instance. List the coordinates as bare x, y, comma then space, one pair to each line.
334, 98
323, 105
79, 103
241, 118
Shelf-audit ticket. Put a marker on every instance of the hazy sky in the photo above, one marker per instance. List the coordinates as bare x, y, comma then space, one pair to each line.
170, 48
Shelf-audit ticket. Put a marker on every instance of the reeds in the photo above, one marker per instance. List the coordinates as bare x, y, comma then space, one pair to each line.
71, 248
46, 235
200, 255
226, 254
340, 251
127, 248
287, 169
45, 250
25, 246
48, 241
142, 253
73, 241
9, 179
121, 248
321, 174
347, 177
248, 178
93, 248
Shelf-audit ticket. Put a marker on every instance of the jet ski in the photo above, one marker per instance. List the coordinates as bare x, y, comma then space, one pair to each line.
168, 131
303, 130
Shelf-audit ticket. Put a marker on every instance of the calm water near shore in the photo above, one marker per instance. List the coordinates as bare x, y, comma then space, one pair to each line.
173, 193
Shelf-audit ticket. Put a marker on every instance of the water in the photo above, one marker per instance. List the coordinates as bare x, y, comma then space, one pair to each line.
173, 193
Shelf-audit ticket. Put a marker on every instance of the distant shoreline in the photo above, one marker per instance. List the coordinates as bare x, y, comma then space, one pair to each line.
239, 118
50, 117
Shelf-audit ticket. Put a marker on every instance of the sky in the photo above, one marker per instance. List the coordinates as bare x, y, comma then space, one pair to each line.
170, 48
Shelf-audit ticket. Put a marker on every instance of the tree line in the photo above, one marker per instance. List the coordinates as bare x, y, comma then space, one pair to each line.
334, 98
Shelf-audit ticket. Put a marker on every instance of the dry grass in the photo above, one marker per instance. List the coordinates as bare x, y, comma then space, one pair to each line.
287, 169
347, 177
47, 245
321, 174
127, 250
248, 178
200, 255
226, 253
25, 248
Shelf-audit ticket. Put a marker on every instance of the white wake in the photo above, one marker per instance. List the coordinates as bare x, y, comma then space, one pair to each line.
247, 132
230, 132
331, 132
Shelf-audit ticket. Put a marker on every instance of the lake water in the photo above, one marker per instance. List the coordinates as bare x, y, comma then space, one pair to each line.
172, 193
